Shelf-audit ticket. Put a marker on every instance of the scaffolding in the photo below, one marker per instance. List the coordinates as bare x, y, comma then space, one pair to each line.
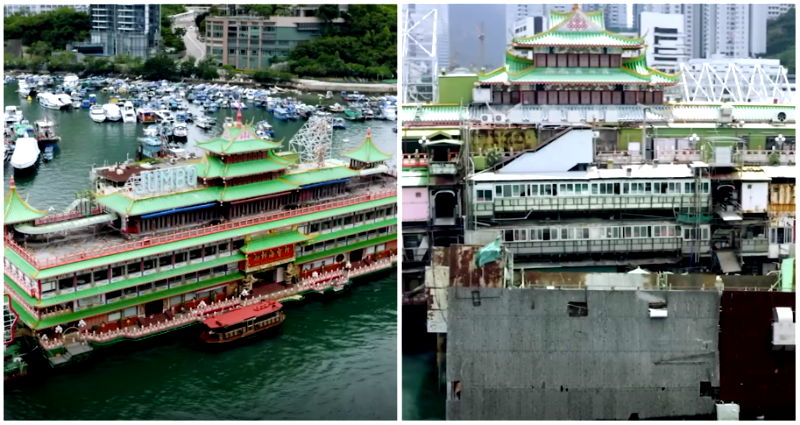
313, 141
420, 63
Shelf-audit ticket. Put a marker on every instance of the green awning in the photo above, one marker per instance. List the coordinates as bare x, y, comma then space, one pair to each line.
128, 206
430, 133
318, 176
271, 241
214, 167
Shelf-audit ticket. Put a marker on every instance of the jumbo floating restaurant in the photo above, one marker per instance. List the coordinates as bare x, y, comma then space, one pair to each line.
168, 245
573, 168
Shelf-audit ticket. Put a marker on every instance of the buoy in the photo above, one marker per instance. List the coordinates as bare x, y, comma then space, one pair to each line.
30, 99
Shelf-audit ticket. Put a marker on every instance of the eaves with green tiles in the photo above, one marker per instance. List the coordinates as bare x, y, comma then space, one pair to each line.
48, 322
433, 112
214, 167
186, 243
122, 284
347, 248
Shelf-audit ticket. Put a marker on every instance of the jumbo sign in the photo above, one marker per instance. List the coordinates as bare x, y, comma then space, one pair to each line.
271, 256
165, 180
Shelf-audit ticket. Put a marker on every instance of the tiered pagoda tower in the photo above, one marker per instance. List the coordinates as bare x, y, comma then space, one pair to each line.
576, 62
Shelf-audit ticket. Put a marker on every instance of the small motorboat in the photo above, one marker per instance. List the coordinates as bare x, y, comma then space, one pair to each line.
180, 132
338, 123
97, 113
264, 130
205, 122
113, 113
128, 113
13, 115
49, 153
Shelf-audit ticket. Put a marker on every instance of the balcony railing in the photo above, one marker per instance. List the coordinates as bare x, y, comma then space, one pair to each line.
332, 280
619, 157
416, 159
172, 237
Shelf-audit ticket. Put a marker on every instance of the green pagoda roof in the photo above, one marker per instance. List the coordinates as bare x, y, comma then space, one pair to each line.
238, 138
578, 29
126, 205
252, 190
16, 210
367, 151
319, 176
214, 167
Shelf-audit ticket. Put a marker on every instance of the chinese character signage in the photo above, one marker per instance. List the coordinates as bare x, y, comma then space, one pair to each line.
279, 254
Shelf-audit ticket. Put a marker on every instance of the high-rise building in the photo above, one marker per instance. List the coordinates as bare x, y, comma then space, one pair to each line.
733, 30
665, 39
33, 9
133, 30
776, 10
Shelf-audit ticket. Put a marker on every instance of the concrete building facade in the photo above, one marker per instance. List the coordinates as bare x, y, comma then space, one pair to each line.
33, 9
252, 42
776, 10
665, 37
133, 30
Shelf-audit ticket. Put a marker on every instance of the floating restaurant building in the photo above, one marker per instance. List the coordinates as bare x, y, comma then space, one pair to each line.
576, 157
164, 246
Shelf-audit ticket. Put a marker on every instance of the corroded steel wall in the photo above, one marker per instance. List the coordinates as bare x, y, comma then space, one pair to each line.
761, 380
518, 354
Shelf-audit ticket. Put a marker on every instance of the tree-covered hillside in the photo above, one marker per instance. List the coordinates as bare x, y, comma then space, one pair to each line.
781, 40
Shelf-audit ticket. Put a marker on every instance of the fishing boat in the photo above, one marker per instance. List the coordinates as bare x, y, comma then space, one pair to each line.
13, 115
26, 154
389, 112
205, 122
128, 113
264, 130
338, 123
281, 113
180, 132
113, 113
97, 113
45, 132
146, 115
243, 322
336, 108
354, 115
149, 147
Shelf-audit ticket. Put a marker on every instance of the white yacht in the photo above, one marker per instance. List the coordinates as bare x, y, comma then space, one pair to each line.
70, 81
112, 111
97, 113
26, 154
54, 101
128, 113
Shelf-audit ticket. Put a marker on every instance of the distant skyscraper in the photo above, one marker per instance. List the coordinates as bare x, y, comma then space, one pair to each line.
776, 10
442, 31
665, 39
133, 30
477, 35
733, 30
33, 9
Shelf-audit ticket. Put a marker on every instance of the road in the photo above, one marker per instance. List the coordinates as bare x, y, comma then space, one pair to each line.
194, 47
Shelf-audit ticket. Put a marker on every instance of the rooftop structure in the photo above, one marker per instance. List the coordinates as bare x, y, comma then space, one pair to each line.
567, 63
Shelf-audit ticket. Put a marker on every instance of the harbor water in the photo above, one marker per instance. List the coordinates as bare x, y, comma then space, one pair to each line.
331, 359
85, 143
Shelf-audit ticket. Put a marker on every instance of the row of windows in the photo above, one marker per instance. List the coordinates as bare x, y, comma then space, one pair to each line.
577, 97
779, 235
574, 60
348, 240
347, 221
157, 286
176, 300
598, 233
583, 189
341, 257
137, 268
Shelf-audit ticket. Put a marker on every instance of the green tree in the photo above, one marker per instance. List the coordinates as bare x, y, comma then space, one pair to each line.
781, 40
207, 69
40, 48
160, 67
187, 68
56, 28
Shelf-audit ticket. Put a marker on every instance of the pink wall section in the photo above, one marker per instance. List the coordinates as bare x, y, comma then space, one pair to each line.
415, 204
